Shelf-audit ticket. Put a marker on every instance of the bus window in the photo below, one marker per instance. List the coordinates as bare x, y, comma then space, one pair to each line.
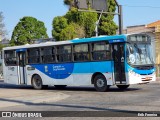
64, 53
81, 52
101, 51
33, 55
47, 55
10, 58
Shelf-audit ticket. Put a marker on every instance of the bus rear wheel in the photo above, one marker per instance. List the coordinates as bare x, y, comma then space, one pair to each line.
100, 83
122, 87
37, 83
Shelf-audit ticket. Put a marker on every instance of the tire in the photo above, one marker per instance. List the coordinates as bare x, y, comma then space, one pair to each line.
100, 83
37, 82
60, 86
122, 87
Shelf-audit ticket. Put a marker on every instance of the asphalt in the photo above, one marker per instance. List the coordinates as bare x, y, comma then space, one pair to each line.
13, 95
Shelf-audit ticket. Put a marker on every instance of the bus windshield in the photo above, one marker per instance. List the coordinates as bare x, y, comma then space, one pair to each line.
139, 54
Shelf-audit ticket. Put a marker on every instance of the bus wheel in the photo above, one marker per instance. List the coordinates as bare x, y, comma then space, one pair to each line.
122, 87
60, 86
100, 83
37, 82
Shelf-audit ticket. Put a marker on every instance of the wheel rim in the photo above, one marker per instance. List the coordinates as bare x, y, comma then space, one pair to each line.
37, 82
100, 83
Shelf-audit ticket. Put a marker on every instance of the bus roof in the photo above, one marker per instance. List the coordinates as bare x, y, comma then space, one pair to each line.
82, 40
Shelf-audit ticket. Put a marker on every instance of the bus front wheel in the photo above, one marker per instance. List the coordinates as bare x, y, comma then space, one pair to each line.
100, 83
37, 83
122, 87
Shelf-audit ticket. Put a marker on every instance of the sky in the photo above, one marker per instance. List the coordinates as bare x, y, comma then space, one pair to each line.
135, 12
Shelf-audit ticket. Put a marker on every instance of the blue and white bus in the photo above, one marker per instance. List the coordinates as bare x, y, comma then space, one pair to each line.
103, 61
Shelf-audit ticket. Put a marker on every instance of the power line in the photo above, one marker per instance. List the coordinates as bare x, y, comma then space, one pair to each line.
154, 7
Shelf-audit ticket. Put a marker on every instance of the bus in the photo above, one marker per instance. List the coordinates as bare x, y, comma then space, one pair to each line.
103, 61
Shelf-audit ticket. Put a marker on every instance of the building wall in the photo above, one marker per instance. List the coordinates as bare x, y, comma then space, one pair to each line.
158, 53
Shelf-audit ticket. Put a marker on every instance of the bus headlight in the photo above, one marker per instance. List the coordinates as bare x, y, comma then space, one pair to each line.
132, 73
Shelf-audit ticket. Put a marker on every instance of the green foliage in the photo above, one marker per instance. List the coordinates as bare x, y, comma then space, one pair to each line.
59, 23
28, 29
2, 46
72, 31
107, 25
72, 15
84, 19
87, 20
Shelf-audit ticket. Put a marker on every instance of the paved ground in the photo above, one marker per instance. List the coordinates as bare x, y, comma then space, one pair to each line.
136, 98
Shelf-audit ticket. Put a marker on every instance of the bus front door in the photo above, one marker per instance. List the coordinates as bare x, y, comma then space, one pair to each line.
119, 64
21, 67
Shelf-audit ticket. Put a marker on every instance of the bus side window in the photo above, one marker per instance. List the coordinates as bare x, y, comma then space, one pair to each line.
64, 53
81, 52
47, 55
101, 51
33, 55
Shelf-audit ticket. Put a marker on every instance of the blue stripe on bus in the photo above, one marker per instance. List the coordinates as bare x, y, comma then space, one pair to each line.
62, 71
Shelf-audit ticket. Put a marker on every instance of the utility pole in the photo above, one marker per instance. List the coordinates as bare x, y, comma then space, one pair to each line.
97, 24
120, 17
120, 20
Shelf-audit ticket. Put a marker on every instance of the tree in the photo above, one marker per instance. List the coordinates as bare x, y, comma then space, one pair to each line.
72, 31
59, 23
2, 27
27, 30
107, 25
85, 19
88, 20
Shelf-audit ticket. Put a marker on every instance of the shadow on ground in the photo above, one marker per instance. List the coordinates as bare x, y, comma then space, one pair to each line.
69, 88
